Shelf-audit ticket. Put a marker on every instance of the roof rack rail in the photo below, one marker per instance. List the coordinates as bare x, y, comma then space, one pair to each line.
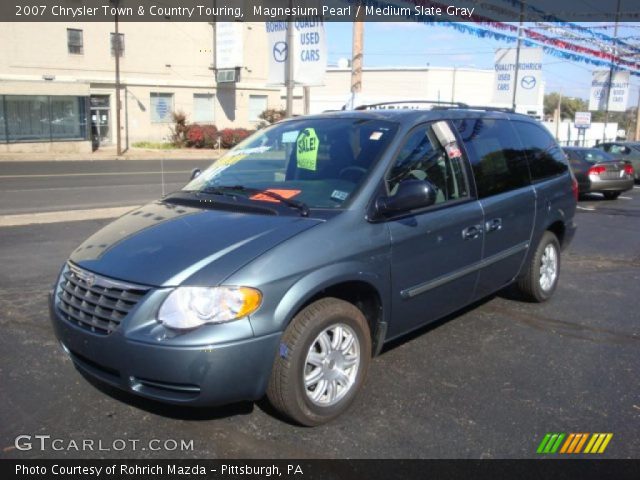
428, 102
493, 109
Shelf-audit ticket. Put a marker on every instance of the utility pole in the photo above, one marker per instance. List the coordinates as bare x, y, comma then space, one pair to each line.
611, 70
515, 79
559, 115
288, 74
117, 55
357, 56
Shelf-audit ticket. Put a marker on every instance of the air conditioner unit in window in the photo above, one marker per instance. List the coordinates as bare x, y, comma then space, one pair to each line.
230, 75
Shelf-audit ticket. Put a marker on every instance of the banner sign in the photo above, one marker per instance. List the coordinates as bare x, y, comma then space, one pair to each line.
600, 85
229, 45
529, 76
309, 52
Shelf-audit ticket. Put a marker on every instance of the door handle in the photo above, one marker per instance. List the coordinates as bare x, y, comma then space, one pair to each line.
493, 225
474, 231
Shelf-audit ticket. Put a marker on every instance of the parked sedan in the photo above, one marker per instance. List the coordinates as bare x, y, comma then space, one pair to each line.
627, 151
598, 171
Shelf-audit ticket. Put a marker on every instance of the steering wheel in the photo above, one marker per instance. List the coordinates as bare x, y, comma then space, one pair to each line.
358, 171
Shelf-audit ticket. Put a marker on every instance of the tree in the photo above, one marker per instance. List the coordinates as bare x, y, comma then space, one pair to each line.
569, 106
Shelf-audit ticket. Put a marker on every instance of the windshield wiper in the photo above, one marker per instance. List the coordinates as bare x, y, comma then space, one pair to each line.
226, 189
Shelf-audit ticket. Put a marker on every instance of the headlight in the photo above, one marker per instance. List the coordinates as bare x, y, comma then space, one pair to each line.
190, 307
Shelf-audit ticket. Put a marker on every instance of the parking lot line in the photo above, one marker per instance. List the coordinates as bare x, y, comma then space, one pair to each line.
590, 209
625, 198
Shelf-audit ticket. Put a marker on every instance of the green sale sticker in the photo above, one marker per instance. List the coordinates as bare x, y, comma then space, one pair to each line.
307, 149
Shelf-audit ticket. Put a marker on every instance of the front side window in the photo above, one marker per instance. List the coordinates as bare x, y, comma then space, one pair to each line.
161, 107
117, 44
425, 157
320, 162
546, 159
499, 164
75, 42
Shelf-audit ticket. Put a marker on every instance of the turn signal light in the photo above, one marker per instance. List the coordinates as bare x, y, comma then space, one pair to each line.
597, 170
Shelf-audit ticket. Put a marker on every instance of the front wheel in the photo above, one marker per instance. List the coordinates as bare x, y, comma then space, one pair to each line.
540, 279
323, 361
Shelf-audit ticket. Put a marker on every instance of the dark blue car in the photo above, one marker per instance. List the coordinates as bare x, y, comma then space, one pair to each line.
289, 263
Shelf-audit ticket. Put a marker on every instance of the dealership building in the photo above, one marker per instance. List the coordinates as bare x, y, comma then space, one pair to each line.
57, 82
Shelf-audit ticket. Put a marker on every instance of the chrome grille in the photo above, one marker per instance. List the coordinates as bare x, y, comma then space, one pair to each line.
93, 302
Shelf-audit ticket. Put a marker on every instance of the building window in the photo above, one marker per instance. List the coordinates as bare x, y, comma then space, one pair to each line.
37, 118
114, 44
203, 108
257, 105
161, 107
75, 43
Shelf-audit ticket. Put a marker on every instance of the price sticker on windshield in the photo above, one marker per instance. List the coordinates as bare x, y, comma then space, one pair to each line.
307, 146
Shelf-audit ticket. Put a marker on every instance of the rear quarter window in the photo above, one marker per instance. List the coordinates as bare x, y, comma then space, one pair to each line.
546, 159
498, 162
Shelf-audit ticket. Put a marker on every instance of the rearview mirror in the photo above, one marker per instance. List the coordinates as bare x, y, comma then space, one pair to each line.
195, 173
411, 195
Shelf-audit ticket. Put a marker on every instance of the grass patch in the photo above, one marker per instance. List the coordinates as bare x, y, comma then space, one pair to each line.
154, 145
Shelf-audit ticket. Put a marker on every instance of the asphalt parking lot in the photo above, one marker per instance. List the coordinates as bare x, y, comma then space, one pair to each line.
488, 382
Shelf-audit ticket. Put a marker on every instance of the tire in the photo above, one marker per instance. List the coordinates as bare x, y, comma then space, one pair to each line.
611, 195
531, 283
287, 391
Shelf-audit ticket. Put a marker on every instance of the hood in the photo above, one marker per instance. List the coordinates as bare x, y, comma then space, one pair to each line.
162, 244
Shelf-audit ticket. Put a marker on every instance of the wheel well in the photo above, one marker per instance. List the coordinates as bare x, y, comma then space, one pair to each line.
557, 229
361, 294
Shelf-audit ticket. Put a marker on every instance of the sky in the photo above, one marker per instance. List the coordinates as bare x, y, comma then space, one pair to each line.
415, 44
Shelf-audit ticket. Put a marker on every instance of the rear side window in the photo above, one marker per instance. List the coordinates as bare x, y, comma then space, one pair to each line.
498, 162
546, 159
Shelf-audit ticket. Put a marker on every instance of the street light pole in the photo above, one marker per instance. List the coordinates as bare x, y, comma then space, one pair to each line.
611, 71
117, 55
289, 80
515, 75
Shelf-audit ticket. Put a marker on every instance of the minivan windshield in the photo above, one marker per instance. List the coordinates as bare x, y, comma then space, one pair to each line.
318, 163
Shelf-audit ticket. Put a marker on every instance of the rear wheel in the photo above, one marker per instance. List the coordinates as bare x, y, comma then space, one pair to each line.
541, 276
324, 361
611, 195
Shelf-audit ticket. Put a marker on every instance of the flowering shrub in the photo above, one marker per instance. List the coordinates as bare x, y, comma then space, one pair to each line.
195, 136
230, 137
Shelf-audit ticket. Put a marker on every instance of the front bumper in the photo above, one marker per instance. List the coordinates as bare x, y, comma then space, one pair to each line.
209, 375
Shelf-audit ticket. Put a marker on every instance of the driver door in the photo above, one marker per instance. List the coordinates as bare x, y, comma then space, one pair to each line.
436, 250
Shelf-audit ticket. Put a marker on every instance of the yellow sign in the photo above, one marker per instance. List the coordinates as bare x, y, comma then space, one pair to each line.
307, 149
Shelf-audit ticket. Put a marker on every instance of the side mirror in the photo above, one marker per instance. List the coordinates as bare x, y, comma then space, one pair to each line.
411, 195
195, 173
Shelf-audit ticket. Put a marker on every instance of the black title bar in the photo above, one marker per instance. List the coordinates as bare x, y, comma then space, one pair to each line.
326, 10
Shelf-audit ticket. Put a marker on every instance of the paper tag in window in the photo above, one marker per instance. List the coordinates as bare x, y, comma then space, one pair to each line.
375, 136
307, 145
453, 151
339, 195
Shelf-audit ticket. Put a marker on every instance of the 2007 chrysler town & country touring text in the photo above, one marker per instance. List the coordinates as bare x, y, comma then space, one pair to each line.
285, 266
